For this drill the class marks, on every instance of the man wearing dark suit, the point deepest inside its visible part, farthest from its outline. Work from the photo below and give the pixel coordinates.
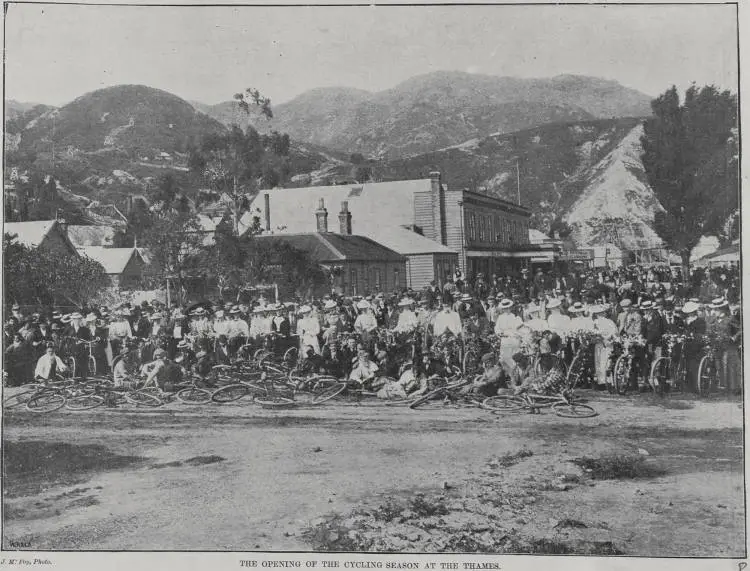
(79, 332)
(695, 329)
(652, 329)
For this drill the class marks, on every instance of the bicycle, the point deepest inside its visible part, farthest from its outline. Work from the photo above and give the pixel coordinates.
(624, 373)
(666, 375)
(564, 404)
(447, 391)
(708, 373)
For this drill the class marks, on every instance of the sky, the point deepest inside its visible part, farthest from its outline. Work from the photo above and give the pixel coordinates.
(55, 53)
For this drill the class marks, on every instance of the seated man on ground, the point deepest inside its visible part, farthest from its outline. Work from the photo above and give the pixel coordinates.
(204, 363)
(312, 363)
(489, 381)
(163, 372)
(365, 370)
(123, 370)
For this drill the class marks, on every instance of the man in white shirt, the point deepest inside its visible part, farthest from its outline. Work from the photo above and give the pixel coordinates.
(407, 319)
(447, 320)
(366, 321)
(365, 370)
(308, 328)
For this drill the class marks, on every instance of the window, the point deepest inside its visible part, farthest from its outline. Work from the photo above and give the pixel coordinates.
(481, 228)
(396, 282)
(472, 226)
(366, 280)
(353, 281)
(378, 284)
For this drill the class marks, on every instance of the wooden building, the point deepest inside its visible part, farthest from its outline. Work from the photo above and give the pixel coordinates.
(124, 266)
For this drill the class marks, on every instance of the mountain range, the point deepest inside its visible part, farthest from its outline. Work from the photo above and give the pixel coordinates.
(567, 143)
(439, 109)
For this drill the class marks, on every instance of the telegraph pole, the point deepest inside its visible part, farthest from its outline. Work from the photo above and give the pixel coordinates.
(518, 182)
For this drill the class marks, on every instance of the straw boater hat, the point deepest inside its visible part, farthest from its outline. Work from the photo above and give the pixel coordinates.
(577, 307)
(76, 315)
(719, 302)
(183, 344)
(363, 304)
(506, 304)
(90, 317)
(56, 315)
(647, 304)
(466, 297)
(329, 305)
(690, 307)
(258, 309)
(553, 303)
(305, 309)
(625, 303)
(598, 308)
(198, 311)
(234, 310)
(405, 302)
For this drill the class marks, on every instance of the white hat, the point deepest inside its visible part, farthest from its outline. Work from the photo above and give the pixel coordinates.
(406, 302)
(259, 309)
(466, 297)
(234, 311)
(363, 304)
(577, 307)
(598, 308)
(690, 307)
(719, 302)
(219, 313)
(506, 304)
(553, 303)
(330, 304)
(305, 309)
(647, 304)
(154, 317)
(198, 311)
(91, 317)
(76, 315)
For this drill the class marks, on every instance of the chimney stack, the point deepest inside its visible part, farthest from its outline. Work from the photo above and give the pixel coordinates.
(345, 219)
(321, 214)
(438, 207)
(267, 198)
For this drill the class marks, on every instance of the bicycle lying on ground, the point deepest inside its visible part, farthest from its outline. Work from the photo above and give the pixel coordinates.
(563, 404)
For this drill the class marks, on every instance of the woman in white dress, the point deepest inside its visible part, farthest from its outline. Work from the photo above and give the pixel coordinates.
(308, 328)
(507, 327)
(603, 348)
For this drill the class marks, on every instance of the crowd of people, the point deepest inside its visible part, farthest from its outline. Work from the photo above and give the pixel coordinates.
(395, 342)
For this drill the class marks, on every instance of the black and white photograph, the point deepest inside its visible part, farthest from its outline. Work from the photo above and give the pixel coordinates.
(373, 279)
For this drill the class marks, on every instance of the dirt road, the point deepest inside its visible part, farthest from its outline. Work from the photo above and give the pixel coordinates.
(237, 477)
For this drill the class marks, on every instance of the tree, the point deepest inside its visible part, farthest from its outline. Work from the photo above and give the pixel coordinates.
(691, 162)
(37, 276)
(175, 243)
(239, 162)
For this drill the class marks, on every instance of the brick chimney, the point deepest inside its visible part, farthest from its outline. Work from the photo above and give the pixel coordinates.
(268, 211)
(438, 207)
(321, 214)
(345, 219)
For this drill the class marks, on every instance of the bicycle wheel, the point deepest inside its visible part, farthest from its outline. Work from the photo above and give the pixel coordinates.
(620, 374)
(143, 398)
(327, 391)
(18, 399)
(92, 366)
(230, 393)
(45, 401)
(84, 402)
(573, 410)
(427, 397)
(290, 357)
(680, 376)
(574, 372)
(706, 376)
(70, 363)
(504, 403)
(273, 369)
(659, 376)
(193, 395)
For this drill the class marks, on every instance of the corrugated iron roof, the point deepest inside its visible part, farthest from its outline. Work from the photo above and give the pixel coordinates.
(329, 247)
(113, 260)
(379, 212)
(293, 209)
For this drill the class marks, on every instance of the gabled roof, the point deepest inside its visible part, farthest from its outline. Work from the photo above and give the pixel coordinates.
(30, 234)
(33, 233)
(329, 247)
(83, 236)
(294, 208)
(113, 260)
